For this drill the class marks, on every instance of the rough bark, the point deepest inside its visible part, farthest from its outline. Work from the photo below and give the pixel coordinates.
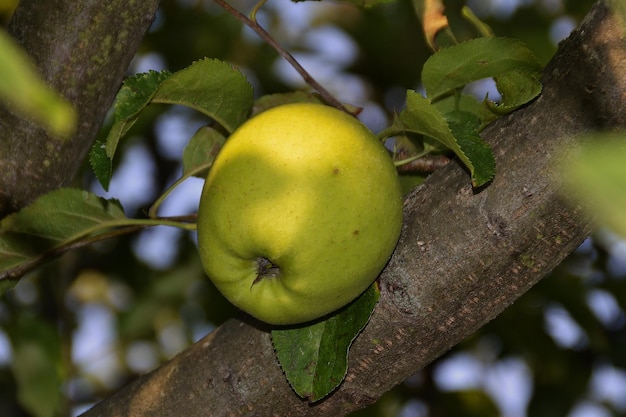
(463, 257)
(83, 49)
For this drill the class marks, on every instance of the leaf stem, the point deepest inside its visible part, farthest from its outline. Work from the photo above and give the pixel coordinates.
(255, 9)
(410, 159)
(254, 25)
(422, 163)
(480, 26)
(152, 212)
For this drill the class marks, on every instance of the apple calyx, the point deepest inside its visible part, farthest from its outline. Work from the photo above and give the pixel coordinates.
(266, 269)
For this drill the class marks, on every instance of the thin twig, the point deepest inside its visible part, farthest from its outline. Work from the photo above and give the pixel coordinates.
(18, 271)
(252, 24)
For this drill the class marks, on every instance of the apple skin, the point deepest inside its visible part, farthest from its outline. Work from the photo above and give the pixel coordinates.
(299, 213)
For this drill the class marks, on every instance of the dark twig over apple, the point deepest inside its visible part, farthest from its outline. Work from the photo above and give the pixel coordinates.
(254, 25)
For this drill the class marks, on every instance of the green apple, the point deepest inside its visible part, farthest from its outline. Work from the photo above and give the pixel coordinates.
(299, 213)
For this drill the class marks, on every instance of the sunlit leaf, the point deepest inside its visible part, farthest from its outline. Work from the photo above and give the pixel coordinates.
(454, 67)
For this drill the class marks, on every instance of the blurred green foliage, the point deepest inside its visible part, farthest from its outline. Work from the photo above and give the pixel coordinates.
(102, 315)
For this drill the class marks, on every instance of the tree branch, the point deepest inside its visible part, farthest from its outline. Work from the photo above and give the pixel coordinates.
(463, 257)
(83, 50)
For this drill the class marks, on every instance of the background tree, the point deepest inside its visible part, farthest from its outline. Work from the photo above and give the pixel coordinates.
(463, 258)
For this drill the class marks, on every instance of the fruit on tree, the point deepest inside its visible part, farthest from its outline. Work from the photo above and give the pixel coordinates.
(299, 213)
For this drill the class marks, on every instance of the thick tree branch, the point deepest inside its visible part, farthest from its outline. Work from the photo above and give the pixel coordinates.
(463, 257)
(83, 48)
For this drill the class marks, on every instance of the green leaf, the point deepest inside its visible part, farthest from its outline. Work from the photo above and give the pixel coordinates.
(136, 93)
(465, 127)
(209, 86)
(201, 150)
(460, 102)
(315, 357)
(596, 177)
(458, 132)
(22, 90)
(454, 67)
(212, 87)
(55, 219)
(101, 164)
(516, 88)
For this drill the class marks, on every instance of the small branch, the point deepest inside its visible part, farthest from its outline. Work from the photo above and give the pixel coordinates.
(15, 273)
(23, 268)
(254, 25)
